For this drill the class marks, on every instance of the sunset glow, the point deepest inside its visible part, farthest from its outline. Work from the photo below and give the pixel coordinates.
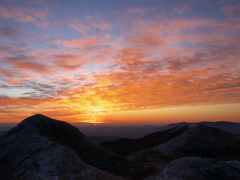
(137, 61)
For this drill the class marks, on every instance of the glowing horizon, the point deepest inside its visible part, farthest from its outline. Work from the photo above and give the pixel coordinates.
(120, 61)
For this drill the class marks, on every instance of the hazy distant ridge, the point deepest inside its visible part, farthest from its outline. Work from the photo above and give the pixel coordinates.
(43, 148)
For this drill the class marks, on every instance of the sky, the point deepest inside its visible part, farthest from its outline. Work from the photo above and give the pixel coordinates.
(120, 61)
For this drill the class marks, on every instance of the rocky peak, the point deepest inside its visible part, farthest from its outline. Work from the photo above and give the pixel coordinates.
(39, 135)
(54, 130)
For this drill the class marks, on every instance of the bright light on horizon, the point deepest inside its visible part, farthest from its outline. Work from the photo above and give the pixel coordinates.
(120, 61)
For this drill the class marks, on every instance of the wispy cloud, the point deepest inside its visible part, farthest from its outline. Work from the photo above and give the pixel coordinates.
(25, 14)
(85, 65)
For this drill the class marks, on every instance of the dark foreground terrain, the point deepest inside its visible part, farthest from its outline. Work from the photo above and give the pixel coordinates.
(43, 148)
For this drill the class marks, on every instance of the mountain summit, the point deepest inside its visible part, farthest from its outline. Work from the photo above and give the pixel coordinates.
(43, 148)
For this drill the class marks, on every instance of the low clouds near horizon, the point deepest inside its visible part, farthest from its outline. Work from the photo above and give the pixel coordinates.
(82, 60)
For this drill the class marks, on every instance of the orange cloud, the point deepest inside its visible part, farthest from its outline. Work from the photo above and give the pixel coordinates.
(145, 40)
(67, 61)
(87, 42)
(87, 24)
(24, 14)
(119, 66)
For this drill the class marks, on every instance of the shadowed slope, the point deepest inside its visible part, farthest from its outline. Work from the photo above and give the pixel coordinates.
(41, 146)
(126, 146)
(195, 140)
(198, 168)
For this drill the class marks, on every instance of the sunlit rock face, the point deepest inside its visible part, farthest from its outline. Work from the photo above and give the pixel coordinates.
(43, 148)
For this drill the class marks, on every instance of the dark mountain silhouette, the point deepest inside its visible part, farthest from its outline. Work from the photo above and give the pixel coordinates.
(100, 139)
(227, 126)
(230, 127)
(109, 133)
(102, 132)
(126, 146)
(185, 141)
(185, 152)
(43, 148)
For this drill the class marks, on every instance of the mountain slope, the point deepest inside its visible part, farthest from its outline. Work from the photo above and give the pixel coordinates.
(126, 146)
(43, 148)
(230, 127)
(227, 126)
(193, 140)
(196, 140)
(186, 152)
(197, 168)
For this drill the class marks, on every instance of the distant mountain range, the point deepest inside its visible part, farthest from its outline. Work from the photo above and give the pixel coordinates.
(139, 131)
(43, 148)
(103, 132)
(227, 126)
(185, 152)
(180, 141)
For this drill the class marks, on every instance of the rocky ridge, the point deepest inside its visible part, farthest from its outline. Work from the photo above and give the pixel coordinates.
(182, 141)
(43, 148)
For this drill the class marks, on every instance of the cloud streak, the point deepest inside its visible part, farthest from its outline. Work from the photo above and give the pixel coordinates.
(84, 68)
